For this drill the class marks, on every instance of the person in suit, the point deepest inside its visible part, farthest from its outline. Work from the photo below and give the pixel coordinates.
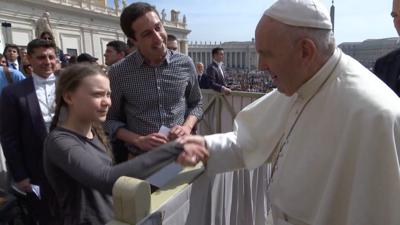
(387, 68)
(201, 76)
(11, 52)
(26, 111)
(215, 74)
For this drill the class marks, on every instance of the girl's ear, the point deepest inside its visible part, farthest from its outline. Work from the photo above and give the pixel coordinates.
(67, 98)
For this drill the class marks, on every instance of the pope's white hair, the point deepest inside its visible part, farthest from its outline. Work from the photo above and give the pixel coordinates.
(323, 39)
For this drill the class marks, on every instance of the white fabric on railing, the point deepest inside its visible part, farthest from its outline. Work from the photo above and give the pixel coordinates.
(234, 198)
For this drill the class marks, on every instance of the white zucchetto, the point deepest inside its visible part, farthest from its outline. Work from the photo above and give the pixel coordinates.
(301, 13)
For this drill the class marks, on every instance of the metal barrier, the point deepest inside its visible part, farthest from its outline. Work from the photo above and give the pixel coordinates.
(220, 110)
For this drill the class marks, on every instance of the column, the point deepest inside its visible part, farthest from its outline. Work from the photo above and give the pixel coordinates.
(209, 59)
(183, 46)
(244, 59)
(234, 59)
(198, 56)
(231, 59)
(240, 60)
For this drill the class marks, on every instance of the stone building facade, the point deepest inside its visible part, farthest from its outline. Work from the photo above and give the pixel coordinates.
(78, 25)
(238, 55)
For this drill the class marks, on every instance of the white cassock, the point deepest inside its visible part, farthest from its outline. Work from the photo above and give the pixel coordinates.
(338, 140)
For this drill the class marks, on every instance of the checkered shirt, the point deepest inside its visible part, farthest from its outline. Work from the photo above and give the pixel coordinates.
(145, 97)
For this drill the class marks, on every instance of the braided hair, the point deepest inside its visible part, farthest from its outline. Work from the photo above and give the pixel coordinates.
(69, 80)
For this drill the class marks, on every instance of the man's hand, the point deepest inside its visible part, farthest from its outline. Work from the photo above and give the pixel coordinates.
(24, 185)
(194, 150)
(226, 91)
(150, 141)
(179, 131)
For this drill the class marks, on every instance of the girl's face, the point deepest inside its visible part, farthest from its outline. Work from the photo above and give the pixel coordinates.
(91, 100)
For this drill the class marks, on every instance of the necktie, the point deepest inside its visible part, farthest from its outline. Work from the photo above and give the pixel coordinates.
(14, 66)
(222, 72)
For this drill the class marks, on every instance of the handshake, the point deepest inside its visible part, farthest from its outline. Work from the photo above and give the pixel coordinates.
(194, 150)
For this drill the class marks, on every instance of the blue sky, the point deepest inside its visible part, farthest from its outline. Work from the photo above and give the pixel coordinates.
(235, 20)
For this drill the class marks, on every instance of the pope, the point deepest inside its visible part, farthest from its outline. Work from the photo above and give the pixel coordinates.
(331, 130)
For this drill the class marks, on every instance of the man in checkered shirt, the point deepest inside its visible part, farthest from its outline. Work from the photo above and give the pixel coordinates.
(152, 87)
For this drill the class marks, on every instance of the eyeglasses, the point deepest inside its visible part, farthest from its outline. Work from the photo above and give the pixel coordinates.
(47, 38)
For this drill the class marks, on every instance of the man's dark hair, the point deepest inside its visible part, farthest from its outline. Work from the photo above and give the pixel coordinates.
(10, 46)
(171, 37)
(216, 50)
(131, 13)
(129, 42)
(40, 43)
(119, 46)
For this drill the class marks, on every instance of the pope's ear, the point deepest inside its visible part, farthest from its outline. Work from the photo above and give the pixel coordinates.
(308, 49)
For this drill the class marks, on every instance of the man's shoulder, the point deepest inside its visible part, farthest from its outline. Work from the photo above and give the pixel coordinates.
(212, 67)
(12, 71)
(124, 65)
(17, 75)
(389, 57)
(19, 88)
(177, 57)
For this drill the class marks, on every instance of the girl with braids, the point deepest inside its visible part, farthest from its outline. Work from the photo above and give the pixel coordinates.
(77, 156)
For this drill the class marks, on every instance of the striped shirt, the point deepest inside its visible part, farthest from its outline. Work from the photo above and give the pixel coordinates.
(146, 97)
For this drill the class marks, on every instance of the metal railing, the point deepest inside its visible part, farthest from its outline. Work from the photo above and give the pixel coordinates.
(220, 110)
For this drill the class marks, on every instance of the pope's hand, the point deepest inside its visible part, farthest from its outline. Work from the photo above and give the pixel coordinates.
(194, 150)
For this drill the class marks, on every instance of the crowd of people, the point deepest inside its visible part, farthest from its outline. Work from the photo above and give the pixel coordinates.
(249, 81)
(69, 127)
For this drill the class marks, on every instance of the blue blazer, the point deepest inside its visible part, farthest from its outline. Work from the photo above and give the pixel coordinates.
(22, 132)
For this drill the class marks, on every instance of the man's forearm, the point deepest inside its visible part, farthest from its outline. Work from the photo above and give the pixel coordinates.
(127, 136)
(190, 121)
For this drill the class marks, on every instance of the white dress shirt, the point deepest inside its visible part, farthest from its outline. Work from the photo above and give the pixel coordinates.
(14, 65)
(335, 143)
(220, 68)
(45, 92)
